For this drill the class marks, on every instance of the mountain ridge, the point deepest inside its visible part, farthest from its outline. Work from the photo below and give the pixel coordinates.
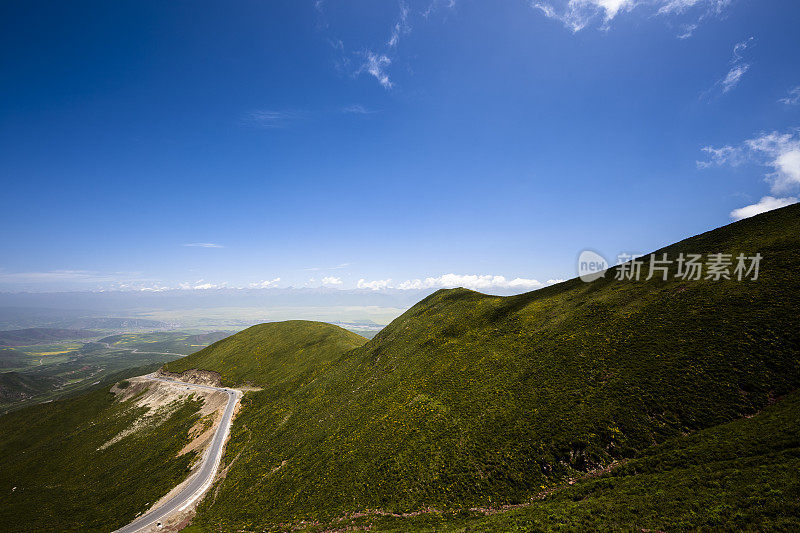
(469, 400)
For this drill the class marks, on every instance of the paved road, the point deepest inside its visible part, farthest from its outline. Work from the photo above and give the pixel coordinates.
(202, 479)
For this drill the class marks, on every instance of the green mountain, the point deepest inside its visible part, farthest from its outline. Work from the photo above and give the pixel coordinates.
(469, 400)
(611, 405)
(268, 354)
(739, 476)
(17, 386)
(60, 470)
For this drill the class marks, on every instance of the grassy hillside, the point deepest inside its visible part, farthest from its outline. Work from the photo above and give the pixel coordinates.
(17, 386)
(474, 400)
(271, 353)
(54, 475)
(736, 476)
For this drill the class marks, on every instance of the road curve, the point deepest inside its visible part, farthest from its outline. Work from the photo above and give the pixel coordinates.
(201, 480)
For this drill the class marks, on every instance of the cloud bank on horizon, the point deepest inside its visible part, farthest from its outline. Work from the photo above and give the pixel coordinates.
(60, 281)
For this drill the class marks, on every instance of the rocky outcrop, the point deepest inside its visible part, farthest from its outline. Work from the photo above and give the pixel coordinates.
(193, 375)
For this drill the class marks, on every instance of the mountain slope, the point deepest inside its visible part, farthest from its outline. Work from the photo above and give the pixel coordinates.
(732, 477)
(90, 463)
(270, 353)
(469, 399)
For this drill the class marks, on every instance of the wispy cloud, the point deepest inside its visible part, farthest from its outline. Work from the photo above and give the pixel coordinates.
(375, 65)
(793, 98)
(687, 30)
(779, 152)
(576, 15)
(203, 245)
(671, 7)
(375, 60)
(437, 4)
(356, 109)
(273, 119)
(400, 27)
(737, 69)
(733, 77)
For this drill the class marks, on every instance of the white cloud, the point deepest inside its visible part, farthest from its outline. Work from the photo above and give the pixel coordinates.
(201, 285)
(793, 98)
(739, 48)
(738, 67)
(677, 7)
(449, 281)
(151, 288)
(264, 283)
(331, 280)
(578, 14)
(400, 27)
(733, 77)
(688, 31)
(725, 155)
(767, 203)
(206, 286)
(375, 65)
(376, 285)
(781, 152)
(470, 281)
(435, 4)
(203, 245)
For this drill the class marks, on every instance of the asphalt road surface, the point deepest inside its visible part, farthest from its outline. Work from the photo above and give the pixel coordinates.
(202, 479)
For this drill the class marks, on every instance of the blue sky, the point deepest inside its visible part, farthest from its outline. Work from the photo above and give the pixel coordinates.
(151, 145)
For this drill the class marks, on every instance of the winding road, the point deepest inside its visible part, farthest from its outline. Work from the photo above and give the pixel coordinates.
(201, 480)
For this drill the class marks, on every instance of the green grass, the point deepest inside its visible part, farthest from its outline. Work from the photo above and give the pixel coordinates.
(474, 400)
(736, 476)
(53, 477)
(268, 354)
